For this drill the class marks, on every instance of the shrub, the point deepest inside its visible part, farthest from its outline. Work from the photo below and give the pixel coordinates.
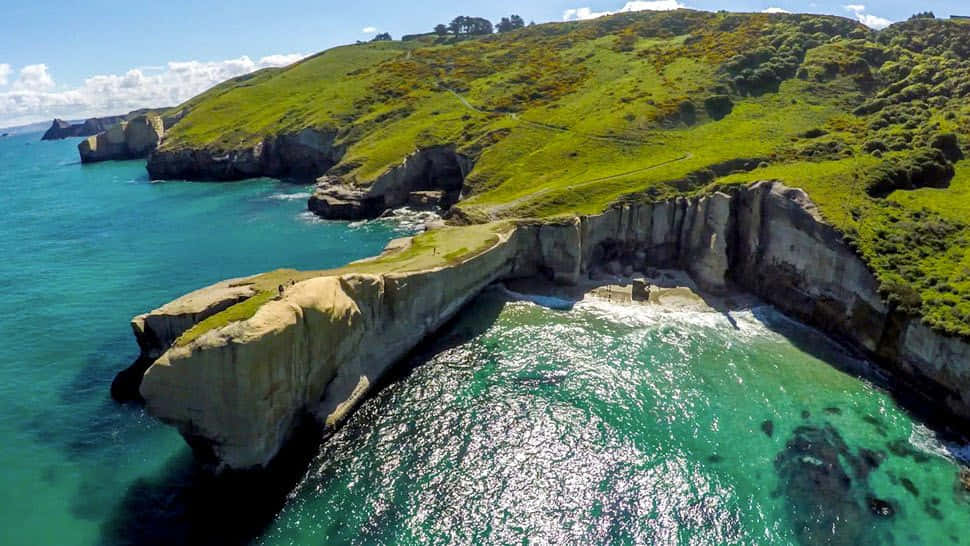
(688, 112)
(718, 106)
(900, 293)
(925, 168)
(949, 145)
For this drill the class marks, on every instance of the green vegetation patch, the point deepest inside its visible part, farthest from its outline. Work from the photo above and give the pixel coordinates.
(430, 250)
(569, 118)
(241, 311)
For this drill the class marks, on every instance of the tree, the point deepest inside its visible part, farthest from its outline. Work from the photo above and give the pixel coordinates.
(441, 30)
(510, 23)
(383, 37)
(463, 25)
(923, 15)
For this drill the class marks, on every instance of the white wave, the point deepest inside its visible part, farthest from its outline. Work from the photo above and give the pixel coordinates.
(289, 196)
(404, 220)
(311, 218)
(924, 439)
(741, 321)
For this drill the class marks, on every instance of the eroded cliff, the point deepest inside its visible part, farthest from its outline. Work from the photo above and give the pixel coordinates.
(236, 391)
(428, 178)
(307, 154)
(132, 139)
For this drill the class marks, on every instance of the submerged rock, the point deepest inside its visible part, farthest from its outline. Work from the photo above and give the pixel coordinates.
(909, 486)
(768, 427)
(881, 508)
(829, 505)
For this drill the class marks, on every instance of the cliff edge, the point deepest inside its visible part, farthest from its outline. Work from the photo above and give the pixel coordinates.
(132, 139)
(235, 390)
(61, 129)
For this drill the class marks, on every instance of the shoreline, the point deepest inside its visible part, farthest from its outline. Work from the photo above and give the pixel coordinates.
(234, 390)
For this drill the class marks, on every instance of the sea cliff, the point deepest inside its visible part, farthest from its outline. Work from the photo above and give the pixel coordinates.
(236, 391)
(305, 154)
(131, 139)
(61, 129)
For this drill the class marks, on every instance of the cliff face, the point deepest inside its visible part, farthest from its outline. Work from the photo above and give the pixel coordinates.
(770, 240)
(306, 154)
(63, 129)
(431, 177)
(156, 331)
(235, 392)
(131, 139)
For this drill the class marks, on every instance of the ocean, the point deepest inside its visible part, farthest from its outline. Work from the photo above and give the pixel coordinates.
(601, 423)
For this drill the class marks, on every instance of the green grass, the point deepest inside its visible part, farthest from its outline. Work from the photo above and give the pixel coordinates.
(430, 250)
(239, 312)
(566, 119)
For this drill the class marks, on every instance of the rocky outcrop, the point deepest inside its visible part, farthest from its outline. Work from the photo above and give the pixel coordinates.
(131, 139)
(306, 154)
(156, 331)
(430, 177)
(236, 392)
(61, 129)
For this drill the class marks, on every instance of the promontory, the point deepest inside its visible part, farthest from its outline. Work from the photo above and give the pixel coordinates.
(808, 160)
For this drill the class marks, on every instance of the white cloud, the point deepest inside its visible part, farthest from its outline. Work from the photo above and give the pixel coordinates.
(4, 73)
(774, 10)
(34, 78)
(33, 97)
(871, 21)
(369, 30)
(576, 14)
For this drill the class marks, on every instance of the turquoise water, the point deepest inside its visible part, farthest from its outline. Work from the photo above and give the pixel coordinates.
(85, 248)
(519, 424)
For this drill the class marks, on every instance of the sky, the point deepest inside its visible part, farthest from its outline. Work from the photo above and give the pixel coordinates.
(70, 59)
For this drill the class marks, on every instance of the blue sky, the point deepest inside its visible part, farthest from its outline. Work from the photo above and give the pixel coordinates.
(75, 59)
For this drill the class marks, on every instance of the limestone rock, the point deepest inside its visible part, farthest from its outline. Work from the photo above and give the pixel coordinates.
(235, 392)
(127, 140)
(156, 331)
(429, 177)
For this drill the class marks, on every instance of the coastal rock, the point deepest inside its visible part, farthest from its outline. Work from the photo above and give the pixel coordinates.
(156, 331)
(306, 154)
(436, 172)
(235, 392)
(126, 140)
(61, 129)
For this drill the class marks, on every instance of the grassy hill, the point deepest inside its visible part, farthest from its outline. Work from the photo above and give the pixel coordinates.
(569, 118)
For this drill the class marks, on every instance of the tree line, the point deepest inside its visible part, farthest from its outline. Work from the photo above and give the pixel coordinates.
(469, 26)
(472, 26)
